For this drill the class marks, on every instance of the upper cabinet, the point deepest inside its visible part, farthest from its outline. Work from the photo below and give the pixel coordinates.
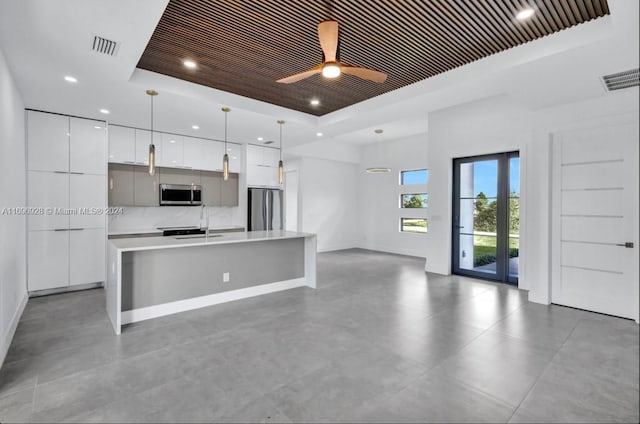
(262, 166)
(48, 136)
(87, 148)
(131, 146)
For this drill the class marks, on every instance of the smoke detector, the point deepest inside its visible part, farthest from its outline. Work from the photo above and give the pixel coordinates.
(621, 80)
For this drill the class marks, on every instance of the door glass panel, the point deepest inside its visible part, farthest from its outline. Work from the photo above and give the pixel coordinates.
(478, 214)
(514, 217)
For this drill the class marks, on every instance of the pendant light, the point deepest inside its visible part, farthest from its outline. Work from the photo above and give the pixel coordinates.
(225, 158)
(152, 147)
(280, 164)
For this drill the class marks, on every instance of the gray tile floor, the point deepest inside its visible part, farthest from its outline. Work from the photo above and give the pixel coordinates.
(378, 341)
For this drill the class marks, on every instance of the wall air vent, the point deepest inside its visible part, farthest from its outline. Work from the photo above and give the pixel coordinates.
(622, 80)
(104, 46)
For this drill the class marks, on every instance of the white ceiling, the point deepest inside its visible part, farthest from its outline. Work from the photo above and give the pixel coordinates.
(45, 40)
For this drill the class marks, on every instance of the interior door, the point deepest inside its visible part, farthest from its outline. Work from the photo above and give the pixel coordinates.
(595, 219)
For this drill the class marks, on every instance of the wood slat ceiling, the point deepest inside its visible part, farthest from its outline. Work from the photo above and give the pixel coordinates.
(244, 46)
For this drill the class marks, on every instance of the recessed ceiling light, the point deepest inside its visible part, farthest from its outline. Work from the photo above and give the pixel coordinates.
(69, 78)
(172, 142)
(314, 102)
(319, 134)
(189, 64)
(105, 111)
(97, 127)
(525, 14)
(260, 138)
(195, 127)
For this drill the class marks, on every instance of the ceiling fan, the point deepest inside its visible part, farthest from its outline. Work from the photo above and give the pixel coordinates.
(331, 67)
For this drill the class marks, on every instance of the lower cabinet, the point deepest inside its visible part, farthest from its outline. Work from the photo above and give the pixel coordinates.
(87, 260)
(62, 258)
(48, 259)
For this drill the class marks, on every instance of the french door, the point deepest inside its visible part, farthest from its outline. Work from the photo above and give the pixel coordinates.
(486, 219)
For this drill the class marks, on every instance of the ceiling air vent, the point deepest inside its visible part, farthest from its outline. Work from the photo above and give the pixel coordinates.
(622, 80)
(104, 46)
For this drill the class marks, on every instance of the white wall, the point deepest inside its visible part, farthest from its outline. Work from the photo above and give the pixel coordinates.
(13, 283)
(497, 125)
(328, 201)
(379, 196)
(487, 126)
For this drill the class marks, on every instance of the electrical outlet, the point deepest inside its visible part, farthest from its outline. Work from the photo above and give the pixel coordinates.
(225, 277)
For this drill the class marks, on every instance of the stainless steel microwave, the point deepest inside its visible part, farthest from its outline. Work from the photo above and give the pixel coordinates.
(180, 195)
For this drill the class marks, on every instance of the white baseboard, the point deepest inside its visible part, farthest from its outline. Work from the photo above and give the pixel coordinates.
(170, 308)
(11, 331)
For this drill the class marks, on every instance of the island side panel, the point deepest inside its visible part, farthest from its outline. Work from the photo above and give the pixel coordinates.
(155, 277)
(310, 259)
(113, 288)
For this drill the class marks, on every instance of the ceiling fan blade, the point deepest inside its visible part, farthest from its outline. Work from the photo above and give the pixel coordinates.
(328, 36)
(364, 73)
(301, 75)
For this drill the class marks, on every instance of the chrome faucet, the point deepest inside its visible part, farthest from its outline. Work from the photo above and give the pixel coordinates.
(204, 212)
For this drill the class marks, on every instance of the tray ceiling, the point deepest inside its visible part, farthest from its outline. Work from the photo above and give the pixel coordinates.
(244, 46)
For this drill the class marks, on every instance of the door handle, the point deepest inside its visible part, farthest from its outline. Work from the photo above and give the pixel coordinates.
(628, 245)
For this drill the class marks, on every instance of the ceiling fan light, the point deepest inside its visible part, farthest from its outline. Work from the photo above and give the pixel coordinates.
(331, 70)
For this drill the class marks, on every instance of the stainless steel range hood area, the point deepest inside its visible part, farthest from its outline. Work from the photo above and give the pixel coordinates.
(131, 185)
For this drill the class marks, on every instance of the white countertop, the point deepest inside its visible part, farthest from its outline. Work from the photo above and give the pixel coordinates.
(151, 243)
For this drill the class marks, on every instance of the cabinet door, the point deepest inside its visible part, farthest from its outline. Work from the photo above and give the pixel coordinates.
(172, 151)
(143, 139)
(87, 263)
(122, 144)
(87, 146)
(211, 186)
(87, 201)
(120, 186)
(49, 191)
(270, 157)
(235, 157)
(48, 259)
(254, 154)
(48, 142)
(213, 153)
(145, 187)
(193, 153)
(229, 191)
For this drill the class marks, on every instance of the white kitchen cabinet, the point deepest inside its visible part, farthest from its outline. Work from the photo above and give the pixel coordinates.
(66, 186)
(213, 151)
(87, 146)
(172, 151)
(48, 264)
(48, 136)
(48, 195)
(235, 157)
(262, 166)
(143, 139)
(122, 144)
(193, 153)
(87, 198)
(87, 261)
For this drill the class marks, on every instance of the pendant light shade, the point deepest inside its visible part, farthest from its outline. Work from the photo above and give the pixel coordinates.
(280, 163)
(225, 158)
(152, 147)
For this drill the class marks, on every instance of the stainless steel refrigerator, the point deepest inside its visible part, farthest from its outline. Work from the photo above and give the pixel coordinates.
(265, 209)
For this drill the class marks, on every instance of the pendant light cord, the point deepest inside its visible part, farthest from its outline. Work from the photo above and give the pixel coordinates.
(151, 119)
(225, 131)
(280, 141)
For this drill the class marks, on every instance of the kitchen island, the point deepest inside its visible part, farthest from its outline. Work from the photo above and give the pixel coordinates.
(149, 277)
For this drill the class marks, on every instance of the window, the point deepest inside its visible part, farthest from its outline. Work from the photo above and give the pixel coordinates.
(413, 225)
(416, 176)
(418, 200)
